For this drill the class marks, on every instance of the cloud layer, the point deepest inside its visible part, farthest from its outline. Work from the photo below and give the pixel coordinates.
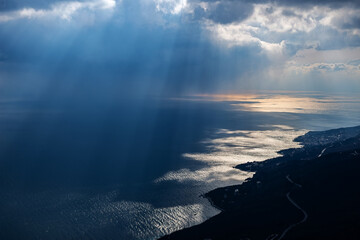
(177, 46)
(62, 9)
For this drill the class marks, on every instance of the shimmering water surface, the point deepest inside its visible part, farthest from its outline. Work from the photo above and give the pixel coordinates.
(137, 171)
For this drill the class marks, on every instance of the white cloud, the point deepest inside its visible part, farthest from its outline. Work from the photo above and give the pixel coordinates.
(170, 6)
(325, 68)
(234, 34)
(64, 10)
(283, 19)
(326, 61)
(295, 40)
(271, 26)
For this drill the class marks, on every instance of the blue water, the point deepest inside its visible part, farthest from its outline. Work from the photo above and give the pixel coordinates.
(135, 169)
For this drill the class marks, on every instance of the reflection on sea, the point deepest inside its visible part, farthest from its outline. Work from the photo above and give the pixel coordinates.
(147, 211)
(285, 102)
(230, 148)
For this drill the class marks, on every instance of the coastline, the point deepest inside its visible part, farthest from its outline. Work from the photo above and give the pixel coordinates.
(211, 202)
(269, 186)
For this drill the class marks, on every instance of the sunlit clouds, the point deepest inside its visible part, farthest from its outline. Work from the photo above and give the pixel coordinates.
(170, 6)
(191, 46)
(282, 31)
(269, 23)
(61, 10)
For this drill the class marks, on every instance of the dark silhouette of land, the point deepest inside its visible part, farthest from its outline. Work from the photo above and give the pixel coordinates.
(309, 193)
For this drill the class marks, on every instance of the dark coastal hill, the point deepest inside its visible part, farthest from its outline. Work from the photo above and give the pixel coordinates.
(308, 193)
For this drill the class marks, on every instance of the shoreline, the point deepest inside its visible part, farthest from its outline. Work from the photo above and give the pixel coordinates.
(211, 202)
(248, 210)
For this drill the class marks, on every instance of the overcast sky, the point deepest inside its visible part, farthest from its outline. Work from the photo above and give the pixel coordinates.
(172, 47)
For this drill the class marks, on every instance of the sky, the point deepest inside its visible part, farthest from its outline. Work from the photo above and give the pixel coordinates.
(112, 48)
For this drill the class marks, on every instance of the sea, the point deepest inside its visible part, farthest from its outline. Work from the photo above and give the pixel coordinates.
(137, 169)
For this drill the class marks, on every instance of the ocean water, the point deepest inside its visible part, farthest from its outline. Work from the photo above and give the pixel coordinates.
(137, 170)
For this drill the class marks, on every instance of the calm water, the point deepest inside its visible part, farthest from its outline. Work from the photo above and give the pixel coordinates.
(136, 169)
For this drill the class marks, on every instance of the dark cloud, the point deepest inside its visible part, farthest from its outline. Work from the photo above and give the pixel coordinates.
(289, 13)
(230, 6)
(226, 12)
(306, 3)
(229, 11)
(303, 3)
